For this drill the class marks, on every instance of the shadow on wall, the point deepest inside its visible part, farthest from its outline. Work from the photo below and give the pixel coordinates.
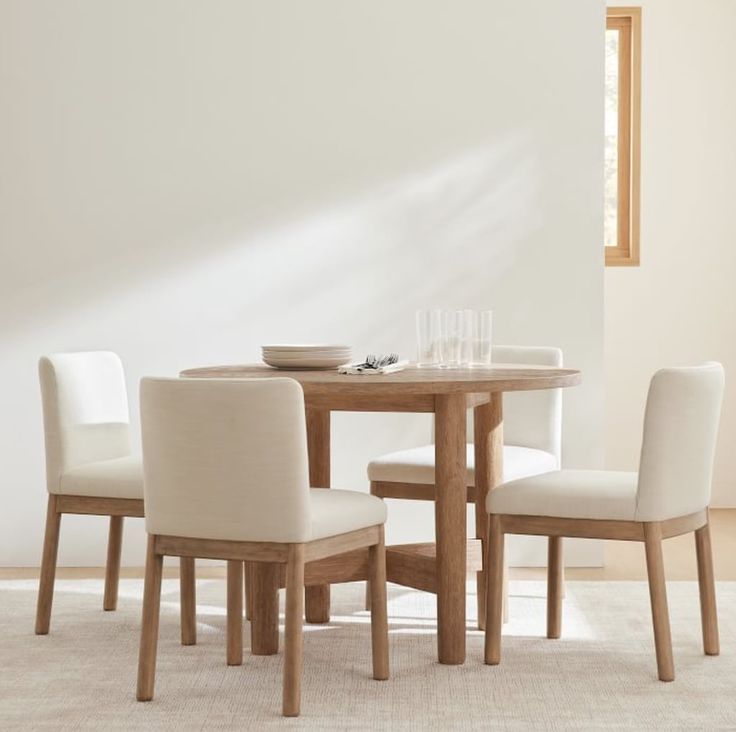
(432, 238)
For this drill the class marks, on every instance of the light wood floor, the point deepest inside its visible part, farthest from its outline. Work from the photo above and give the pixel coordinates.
(623, 560)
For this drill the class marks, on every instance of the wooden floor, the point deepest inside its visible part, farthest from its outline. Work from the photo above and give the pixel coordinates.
(623, 560)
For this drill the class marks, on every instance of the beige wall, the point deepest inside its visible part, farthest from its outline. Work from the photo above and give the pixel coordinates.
(679, 306)
(183, 181)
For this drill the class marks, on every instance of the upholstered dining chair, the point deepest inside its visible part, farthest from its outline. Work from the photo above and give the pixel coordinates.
(532, 429)
(668, 496)
(90, 468)
(227, 477)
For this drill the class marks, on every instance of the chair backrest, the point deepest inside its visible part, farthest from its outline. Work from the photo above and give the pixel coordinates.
(226, 459)
(532, 418)
(85, 410)
(680, 431)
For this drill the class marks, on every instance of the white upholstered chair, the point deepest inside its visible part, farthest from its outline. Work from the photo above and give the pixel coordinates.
(668, 496)
(532, 429)
(90, 468)
(227, 477)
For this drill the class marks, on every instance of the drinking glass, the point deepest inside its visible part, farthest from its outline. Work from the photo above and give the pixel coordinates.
(452, 340)
(468, 337)
(482, 339)
(429, 338)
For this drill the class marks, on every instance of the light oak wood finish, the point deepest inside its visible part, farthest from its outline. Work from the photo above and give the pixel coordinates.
(450, 525)
(293, 640)
(149, 622)
(707, 587)
(288, 564)
(264, 624)
(48, 567)
(494, 591)
(658, 599)
(317, 602)
(116, 509)
(188, 594)
(626, 21)
(651, 534)
(347, 390)
(554, 586)
(379, 616)
(446, 392)
(234, 613)
(112, 572)
(488, 448)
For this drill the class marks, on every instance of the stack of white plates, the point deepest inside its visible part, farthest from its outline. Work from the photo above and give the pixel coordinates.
(289, 356)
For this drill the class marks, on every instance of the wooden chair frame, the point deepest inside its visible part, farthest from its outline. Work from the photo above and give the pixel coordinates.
(303, 567)
(650, 533)
(117, 509)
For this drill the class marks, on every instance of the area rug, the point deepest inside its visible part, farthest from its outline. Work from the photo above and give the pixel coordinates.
(600, 675)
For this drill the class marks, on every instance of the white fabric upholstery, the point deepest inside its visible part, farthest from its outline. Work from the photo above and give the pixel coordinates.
(674, 479)
(680, 432)
(117, 478)
(532, 425)
(585, 494)
(337, 512)
(85, 413)
(227, 459)
(417, 465)
(532, 418)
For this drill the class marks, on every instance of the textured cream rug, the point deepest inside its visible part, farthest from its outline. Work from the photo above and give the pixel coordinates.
(600, 675)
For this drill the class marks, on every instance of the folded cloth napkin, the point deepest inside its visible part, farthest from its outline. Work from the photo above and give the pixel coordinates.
(360, 368)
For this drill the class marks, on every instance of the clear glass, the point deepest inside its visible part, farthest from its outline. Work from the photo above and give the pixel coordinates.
(429, 338)
(482, 339)
(452, 340)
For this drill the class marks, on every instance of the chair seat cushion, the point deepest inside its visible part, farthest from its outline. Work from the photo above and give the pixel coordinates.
(583, 494)
(117, 478)
(337, 512)
(417, 465)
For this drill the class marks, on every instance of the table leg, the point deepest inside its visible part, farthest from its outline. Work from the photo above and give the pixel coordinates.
(450, 525)
(317, 606)
(488, 422)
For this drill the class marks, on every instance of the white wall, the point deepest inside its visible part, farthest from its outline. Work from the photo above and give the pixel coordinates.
(183, 181)
(679, 306)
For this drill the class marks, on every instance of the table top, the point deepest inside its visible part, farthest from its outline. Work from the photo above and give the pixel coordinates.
(410, 381)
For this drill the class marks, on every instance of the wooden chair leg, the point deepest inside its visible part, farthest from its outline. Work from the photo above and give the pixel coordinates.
(188, 598)
(554, 586)
(707, 585)
(112, 567)
(234, 613)
(379, 611)
(293, 640)
(48, 567)
(248, 588)
(494, 591)
(149, 622)
(264, 626)
(368, 595)
(658, 598)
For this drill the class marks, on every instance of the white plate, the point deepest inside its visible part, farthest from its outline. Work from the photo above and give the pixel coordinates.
(313, 354)
(305, 347)
(304, 363)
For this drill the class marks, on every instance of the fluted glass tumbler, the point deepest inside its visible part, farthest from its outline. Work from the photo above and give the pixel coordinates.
(429, 338)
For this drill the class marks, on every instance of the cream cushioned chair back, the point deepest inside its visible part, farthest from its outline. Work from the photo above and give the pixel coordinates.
(680, 431)
(533, 418)
(85, 410)
(225, 459)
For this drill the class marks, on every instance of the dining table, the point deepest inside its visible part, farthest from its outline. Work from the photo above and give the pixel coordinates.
(442, 566)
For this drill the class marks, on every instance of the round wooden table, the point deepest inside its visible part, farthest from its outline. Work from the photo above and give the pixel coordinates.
(448, 393)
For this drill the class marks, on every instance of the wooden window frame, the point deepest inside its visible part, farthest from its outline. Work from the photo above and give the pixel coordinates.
(627, 20)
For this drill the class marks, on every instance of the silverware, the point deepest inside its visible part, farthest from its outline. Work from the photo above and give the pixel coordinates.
(373, 362)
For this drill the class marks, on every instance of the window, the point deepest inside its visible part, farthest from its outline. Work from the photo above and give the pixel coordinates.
(622, 102)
